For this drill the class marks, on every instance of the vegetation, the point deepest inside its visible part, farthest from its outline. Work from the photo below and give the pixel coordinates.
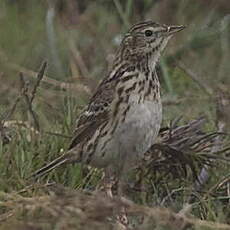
(52, 54)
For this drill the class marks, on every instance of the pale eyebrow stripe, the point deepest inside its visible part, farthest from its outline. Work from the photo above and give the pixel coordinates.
(142, 24)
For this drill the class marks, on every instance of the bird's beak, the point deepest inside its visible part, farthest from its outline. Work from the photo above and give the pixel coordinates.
(174, 29)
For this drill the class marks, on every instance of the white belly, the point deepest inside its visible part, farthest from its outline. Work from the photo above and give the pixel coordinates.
(141, 127)
(136, 135)
(133, 137)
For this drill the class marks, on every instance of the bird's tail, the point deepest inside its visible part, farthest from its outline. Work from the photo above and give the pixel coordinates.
(64, 159)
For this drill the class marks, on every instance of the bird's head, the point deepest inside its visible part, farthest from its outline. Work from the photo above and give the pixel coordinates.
(147, 38)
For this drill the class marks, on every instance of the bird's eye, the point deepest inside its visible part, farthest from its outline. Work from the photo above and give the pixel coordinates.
(148, 33)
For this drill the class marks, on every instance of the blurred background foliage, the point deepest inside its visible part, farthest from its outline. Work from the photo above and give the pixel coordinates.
(79, 39)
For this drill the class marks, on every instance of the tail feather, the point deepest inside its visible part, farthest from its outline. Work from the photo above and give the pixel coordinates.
(66, 158)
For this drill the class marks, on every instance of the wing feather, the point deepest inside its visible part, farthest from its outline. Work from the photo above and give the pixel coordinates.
(95, 114)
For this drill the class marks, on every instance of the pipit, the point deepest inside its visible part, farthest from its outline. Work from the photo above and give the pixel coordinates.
(123, 117)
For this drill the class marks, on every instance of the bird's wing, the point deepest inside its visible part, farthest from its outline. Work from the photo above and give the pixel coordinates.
(95, 114)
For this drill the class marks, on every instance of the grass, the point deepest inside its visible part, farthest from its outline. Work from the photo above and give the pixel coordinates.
(65, 199)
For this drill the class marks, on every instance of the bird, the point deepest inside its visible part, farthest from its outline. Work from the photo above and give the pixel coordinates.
(123, 117)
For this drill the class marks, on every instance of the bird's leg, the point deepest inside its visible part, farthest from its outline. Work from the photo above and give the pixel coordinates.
(109, 181)
(122, 180)
(113, 176)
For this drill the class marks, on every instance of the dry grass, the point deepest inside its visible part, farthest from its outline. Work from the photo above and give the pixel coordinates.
(63, 208)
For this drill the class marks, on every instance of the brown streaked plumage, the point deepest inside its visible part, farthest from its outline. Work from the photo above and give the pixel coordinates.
(122, 119)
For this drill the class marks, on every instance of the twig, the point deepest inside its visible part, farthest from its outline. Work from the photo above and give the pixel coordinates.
(6, 215)
(29, 99)
(46, 79)
(4, 118)
(8, 114)
(58, 134)
(11, 111)
(25, 88)
(78, 58)
(40, 75)
(121, 13)
(195, 78)
(59, 84)
(172, 101)
(225, 180)
(26, 125)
